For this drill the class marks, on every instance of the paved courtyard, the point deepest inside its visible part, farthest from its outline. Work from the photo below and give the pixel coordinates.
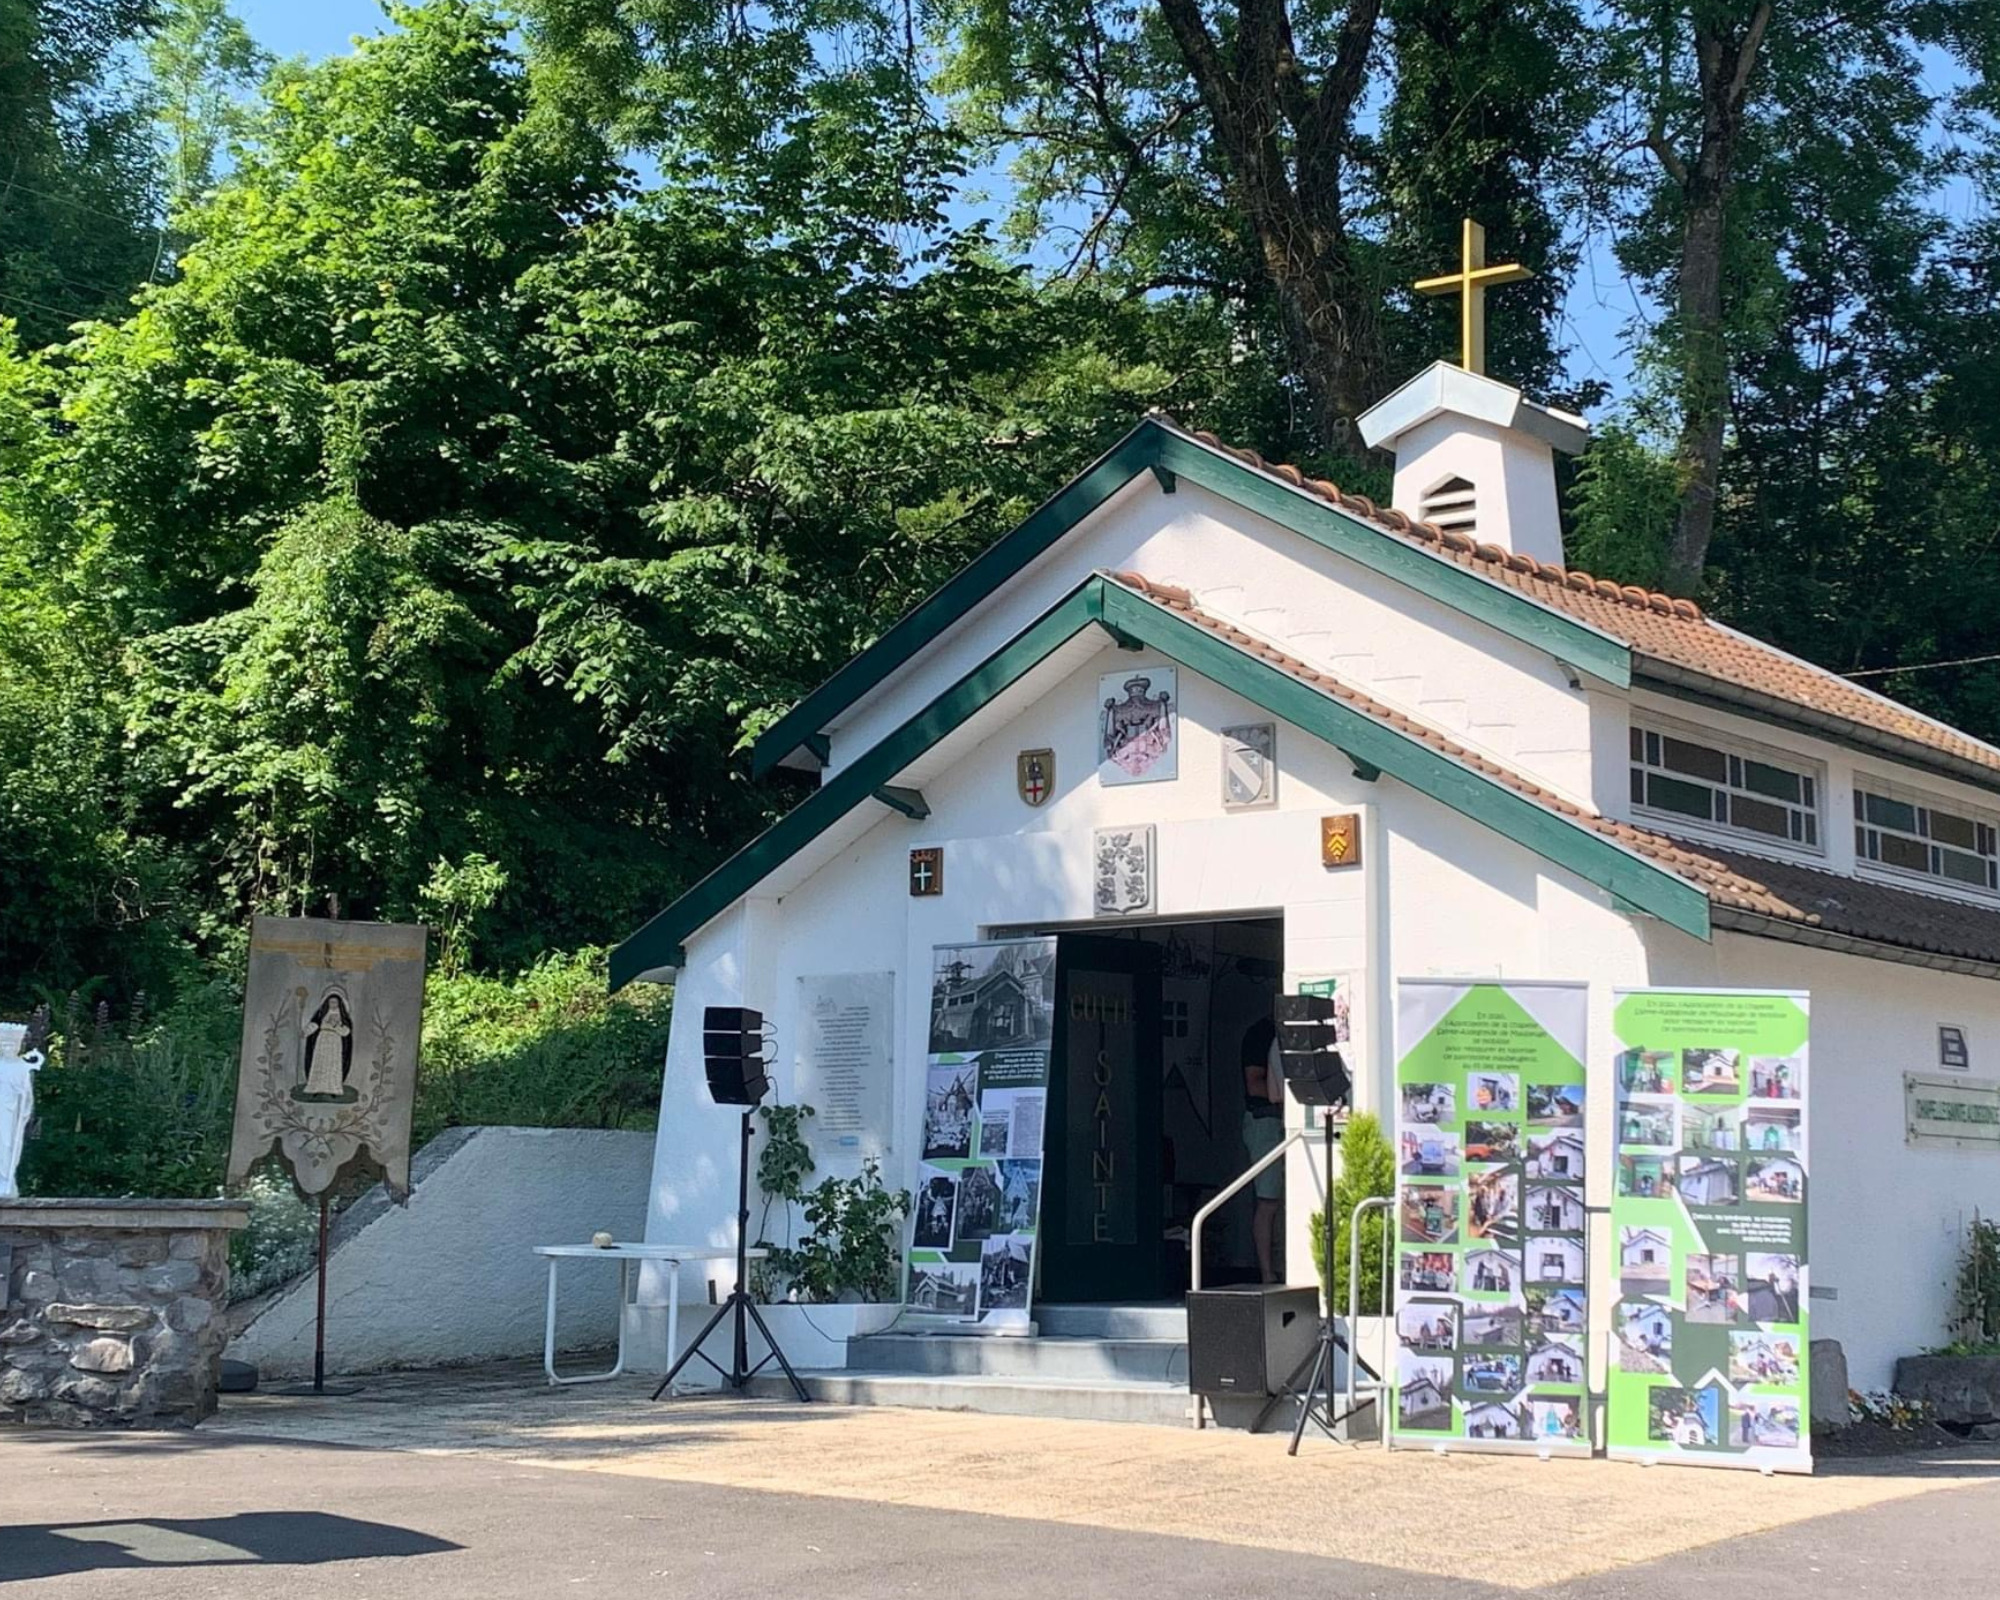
(461, 1486)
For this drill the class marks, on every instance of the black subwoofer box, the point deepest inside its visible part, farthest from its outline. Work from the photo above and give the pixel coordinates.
(1249, 1338)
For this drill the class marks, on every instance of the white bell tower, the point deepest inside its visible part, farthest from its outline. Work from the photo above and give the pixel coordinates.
(1472, 455)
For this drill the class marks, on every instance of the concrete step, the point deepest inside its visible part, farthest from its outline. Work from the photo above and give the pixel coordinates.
(1163, 1404)
(1113, 1322)
(1100, 1360)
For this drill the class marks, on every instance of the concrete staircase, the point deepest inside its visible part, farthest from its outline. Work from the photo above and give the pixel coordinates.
(1098, 1363)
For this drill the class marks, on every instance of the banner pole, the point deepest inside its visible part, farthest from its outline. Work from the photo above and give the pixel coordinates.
(319, 1330)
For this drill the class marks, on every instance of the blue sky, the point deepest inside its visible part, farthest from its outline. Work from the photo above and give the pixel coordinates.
(1596, 310)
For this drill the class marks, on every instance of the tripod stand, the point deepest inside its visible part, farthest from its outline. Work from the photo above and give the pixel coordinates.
(740, 1372)
(1320, 1379)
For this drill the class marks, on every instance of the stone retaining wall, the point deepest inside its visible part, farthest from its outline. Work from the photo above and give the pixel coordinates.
(111, 1311)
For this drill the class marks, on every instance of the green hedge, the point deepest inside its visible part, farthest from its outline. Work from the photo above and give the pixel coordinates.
(131, 1104)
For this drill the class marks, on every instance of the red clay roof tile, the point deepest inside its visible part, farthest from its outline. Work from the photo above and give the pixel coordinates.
(1782, 891)
(1659, 627)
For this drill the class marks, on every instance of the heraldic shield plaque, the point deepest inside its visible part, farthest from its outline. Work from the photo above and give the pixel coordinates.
(332, 1018)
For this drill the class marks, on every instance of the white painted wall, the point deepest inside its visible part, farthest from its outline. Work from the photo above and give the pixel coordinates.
(1405, 648)
(1887, 1219)
(1440, 893)
(450, 1277)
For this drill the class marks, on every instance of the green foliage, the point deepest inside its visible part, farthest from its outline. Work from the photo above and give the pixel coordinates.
(1975, 1324)
(853, 1225)
(130, 1103)
(281, 1241)
(78, 207)
(1367, 1171)
(545, 1049)
(850, 1246)
(1622, 509)
(786, 1158)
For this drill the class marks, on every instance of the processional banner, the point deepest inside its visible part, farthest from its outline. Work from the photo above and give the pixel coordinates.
(332, 1019)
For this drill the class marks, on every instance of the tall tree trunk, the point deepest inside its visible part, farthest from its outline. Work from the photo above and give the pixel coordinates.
(1255, 91)
(1725, 57)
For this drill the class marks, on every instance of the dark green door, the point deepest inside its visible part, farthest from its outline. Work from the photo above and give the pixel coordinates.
(1103, 1212)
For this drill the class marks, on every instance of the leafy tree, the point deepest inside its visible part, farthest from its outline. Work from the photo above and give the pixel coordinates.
(78, 212)
(1769, 149)
(460, 503)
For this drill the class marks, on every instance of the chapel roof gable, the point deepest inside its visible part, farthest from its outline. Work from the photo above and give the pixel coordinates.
(1620, 633)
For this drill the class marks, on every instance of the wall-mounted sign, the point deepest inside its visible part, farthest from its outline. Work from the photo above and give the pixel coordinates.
(1138, 729)
(1340, 840)
(1122, 871)
(1957, 1113)
(927, 871)
(1953, 1051)
(1250, 766)
(1035, 775)
(844, 1065)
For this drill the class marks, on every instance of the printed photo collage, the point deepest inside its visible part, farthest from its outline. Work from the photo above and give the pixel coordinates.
(978, 1195)
(1719, 1135)
(1490, 1258)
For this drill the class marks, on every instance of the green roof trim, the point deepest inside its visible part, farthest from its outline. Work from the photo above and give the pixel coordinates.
(1171, 455)
(1370, 743)
(658, 943)
(958, 597)
(1099, 602)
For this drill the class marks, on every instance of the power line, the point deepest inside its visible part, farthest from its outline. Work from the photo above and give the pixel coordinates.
(1922, 666)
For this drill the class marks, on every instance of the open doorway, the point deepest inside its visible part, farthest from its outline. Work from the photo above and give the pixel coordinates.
(1147, 1103)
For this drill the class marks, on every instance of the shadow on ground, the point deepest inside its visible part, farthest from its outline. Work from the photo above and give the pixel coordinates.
(247, 1539)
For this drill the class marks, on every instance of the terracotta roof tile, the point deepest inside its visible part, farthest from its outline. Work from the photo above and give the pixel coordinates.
(1782, 891)
(1657, 627)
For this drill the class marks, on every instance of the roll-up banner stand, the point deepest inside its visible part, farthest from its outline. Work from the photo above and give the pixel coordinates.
(978, 1197)
(1709, 1336)
(1491, 1308)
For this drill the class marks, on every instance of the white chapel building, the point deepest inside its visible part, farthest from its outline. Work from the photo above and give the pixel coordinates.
(1555, 777)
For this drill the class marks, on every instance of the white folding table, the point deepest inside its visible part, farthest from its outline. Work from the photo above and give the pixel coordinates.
(670, 1255)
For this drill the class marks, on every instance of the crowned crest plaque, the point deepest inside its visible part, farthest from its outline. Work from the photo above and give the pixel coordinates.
(1138, 736)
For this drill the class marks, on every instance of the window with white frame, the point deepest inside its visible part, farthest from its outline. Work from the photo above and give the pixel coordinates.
(1720, 785)
(1894, 829)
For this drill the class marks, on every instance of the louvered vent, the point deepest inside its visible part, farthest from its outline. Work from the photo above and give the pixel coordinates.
(1453, 506)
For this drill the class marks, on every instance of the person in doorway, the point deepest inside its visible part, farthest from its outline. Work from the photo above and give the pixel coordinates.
(1263, 1131)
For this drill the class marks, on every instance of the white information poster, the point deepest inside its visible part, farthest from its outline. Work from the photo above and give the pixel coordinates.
(844, 1066)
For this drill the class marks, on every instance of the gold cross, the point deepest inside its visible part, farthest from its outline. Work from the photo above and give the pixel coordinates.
(1470, 284)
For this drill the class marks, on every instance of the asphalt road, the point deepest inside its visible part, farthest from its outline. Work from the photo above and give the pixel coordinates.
(165, 1517)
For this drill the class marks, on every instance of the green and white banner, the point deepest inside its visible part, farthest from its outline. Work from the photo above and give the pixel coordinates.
(979, 1186)
(1709, 1339)
(1491, 1311)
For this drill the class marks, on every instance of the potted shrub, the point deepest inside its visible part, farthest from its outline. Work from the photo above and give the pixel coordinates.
(838, 1271)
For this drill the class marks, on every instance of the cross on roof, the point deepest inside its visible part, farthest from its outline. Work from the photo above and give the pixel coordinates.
(1470, 283)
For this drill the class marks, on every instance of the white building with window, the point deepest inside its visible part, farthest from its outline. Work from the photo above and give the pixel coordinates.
(1549, 775)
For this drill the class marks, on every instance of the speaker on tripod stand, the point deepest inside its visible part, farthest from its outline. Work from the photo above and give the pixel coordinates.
(732, 1049)
(1309, 1050)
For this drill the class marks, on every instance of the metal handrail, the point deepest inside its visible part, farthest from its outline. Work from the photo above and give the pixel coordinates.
(1199, 1411)
(1235, 1188)
(1378, 1387)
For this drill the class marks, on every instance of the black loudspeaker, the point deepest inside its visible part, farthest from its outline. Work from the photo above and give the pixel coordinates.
(1314, 1070)
(1250, 1338)
(732, 1052)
